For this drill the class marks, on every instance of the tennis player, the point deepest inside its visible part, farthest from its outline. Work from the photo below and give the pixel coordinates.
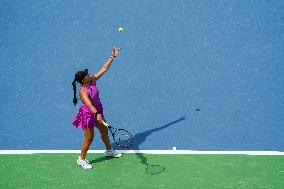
(91, 113)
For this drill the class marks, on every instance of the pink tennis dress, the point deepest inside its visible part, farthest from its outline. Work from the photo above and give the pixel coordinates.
(85, 118)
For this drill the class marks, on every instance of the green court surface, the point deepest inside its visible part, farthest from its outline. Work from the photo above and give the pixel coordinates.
(136, 171)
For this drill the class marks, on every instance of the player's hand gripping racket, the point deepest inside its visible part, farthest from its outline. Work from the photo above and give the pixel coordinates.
(121, 137)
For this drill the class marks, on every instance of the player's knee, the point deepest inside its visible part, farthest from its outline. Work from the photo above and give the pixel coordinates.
(88, 140)
(105, 129)
(105, 132)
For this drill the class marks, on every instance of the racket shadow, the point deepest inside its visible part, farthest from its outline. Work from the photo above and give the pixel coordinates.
(140, 138)
(150, 168)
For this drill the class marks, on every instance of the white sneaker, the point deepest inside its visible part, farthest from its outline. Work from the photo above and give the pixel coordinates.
(84, 163)
(113, 153)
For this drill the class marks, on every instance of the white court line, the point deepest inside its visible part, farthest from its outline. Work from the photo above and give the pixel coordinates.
(145, 152)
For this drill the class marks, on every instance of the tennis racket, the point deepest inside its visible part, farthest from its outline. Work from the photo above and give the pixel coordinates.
(121, 137)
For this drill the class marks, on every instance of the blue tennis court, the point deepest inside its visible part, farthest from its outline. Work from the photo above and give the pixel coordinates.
(195, 75)
(224, 58)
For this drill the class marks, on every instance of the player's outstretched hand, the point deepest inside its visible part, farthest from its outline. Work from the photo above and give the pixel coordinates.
(115, 51)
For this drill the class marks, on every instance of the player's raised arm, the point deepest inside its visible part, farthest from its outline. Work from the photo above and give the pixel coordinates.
(106, 66)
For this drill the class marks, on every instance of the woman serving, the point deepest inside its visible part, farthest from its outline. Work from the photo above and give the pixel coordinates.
(90, 114)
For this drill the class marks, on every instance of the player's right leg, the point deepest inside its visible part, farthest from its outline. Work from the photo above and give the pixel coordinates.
(88, 139)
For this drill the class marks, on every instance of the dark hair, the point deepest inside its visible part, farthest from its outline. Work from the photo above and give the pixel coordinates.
(79, 76)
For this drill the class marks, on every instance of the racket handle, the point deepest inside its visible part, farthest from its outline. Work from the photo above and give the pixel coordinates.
(107, 125)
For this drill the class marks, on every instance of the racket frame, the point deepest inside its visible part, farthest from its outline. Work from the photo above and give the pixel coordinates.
(113, 130)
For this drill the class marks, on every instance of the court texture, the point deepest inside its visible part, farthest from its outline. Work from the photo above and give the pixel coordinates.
(199, 84)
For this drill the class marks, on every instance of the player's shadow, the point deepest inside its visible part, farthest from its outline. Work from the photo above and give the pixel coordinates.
(138, 139)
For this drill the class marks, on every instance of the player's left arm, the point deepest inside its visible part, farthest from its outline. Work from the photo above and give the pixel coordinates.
(106, 66)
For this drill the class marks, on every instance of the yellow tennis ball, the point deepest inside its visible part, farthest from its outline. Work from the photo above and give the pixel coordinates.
(120, 29)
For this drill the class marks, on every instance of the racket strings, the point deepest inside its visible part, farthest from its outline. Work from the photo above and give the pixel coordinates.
(123, 138)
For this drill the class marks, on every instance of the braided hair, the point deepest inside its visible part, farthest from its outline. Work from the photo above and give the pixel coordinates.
(79, 76)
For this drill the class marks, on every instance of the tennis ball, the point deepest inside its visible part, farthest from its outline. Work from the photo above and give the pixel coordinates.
(120, 29)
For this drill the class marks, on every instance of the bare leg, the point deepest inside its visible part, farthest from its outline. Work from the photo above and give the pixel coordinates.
(89, 136)
(104, 135)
